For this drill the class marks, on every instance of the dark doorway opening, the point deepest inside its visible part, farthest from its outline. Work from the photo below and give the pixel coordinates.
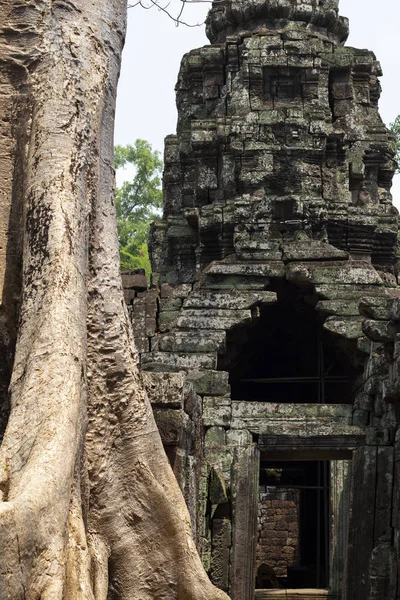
(289, 358)
(293, 525)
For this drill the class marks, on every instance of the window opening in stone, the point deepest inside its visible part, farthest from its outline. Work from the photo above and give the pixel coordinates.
(283, 216)
(216, 242)
(283, 84)
(293, 523)
(288, 358)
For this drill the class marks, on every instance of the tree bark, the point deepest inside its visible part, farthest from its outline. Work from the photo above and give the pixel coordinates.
(90, 508)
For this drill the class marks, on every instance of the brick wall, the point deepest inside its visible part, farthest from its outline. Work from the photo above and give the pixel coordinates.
(278, 529)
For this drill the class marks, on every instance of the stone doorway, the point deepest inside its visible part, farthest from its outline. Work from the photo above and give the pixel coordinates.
(293, 524)
(329, 468)
(292, 390)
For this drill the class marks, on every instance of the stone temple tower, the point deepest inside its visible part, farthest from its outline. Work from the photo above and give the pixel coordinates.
(269, 339)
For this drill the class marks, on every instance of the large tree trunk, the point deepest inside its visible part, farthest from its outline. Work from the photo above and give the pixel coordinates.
(90, 508)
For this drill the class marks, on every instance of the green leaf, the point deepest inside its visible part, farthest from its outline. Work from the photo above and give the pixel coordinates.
(138, 202)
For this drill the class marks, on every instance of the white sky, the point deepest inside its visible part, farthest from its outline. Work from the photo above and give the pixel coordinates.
(154, 48)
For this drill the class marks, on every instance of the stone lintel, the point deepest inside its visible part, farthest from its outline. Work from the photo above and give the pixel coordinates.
(342, 439)
(335, 413)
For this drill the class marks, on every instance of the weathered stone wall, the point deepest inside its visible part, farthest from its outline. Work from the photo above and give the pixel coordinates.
(205, 443)
(373, 553)
(278, 543)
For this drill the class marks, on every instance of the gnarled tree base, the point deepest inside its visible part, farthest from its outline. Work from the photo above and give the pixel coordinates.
(90, 508)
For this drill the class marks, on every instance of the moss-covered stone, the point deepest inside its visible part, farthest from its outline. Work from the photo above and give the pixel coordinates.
(217, 488)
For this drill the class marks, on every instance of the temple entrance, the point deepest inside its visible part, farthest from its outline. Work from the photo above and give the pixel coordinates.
(293, 524)
(293, 515)
(291, 518)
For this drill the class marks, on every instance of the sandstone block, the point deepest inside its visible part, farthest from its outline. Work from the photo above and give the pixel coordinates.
(228, 300)
(167, 319)
(350, 328)
(165, 389)
(220, 555)
(212, 318)
(341, 273)
(380, 331)
(133, 280)
(129, 296)
(172, 425)
(338, 307)
(216, 414)
(380, 308)
(215, 437)
(311, 250)
(168, 304)
(210, 383)
(181, 361)
(232, 282)
(191, 341)
(217, 488)
(262, 269)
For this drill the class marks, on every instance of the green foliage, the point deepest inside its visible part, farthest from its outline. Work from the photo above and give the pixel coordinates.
(395, 128)
(138, 202)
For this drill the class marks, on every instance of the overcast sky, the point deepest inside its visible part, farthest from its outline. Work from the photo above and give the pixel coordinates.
(155, 46)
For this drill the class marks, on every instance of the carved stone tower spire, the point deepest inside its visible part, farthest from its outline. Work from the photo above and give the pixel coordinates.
(278, 138)
(240, 17)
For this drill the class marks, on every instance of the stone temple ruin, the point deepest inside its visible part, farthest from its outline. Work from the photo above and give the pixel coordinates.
(269, 339)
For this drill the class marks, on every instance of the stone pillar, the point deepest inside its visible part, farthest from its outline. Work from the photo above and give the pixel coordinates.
(245, 499)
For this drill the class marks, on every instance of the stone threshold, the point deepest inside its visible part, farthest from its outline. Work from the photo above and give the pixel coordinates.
(304, 594)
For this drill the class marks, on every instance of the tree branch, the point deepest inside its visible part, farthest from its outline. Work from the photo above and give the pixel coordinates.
(177, 20)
